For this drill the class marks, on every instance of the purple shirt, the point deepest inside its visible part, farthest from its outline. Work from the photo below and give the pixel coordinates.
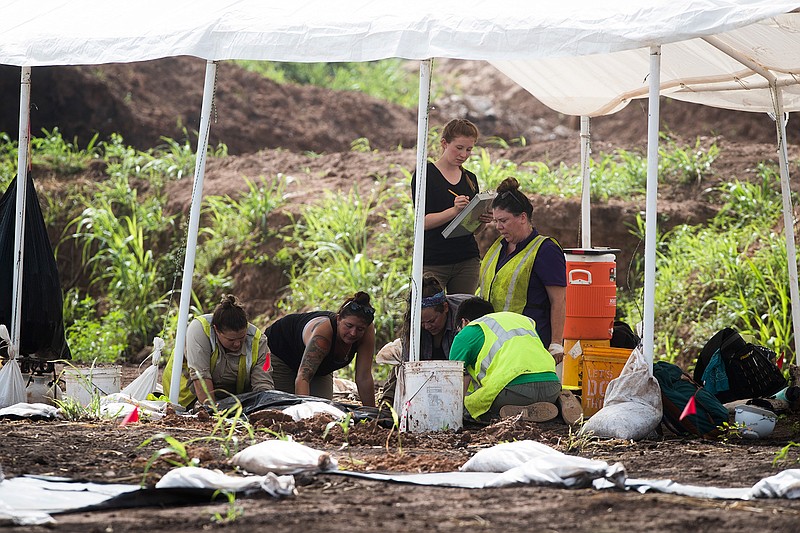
(549, 270)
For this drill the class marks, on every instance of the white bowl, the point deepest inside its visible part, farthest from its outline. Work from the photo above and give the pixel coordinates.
(759, 422)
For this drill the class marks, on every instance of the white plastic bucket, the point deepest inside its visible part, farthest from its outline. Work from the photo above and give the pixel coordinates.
(431, 396)
(83, 383)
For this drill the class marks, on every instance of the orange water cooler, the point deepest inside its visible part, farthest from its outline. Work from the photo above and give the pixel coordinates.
(591, 307)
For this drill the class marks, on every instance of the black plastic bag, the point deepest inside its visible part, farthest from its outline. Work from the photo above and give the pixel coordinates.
(42, 321)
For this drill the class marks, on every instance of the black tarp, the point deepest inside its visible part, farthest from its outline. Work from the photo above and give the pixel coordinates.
(42, 321)
(253, 402)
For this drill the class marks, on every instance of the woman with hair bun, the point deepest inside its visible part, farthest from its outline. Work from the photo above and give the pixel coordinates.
(523, 271)
(449, 188)
(225, 354)
(308, 347)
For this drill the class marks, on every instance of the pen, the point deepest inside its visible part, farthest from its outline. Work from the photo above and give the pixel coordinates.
(451, 191)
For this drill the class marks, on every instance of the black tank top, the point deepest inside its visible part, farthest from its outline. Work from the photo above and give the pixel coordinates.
(285, 341)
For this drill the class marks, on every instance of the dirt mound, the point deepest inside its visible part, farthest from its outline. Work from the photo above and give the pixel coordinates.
(145, 101)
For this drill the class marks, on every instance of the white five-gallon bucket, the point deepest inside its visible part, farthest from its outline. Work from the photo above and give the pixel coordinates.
(83, 383)
(431, 396)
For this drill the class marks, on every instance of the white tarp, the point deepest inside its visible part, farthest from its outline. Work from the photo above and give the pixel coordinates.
(73, 32)
(693, 70)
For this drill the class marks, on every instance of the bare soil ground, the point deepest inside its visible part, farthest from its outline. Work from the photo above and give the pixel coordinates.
(306, 131)
(104, 451)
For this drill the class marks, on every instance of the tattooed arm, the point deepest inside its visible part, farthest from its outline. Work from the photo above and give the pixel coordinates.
(318, 342)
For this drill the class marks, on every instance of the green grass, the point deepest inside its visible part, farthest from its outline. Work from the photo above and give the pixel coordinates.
(351, 242)
(731, 272)
(386, 79)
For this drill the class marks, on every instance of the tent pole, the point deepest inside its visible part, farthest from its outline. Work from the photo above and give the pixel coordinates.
(194, 225)
(19, 225)
(425, 69)
(586, 181)
(788, 213)
(651, 204)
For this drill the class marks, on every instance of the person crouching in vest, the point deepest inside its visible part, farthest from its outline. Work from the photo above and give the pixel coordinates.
(225, 355)
(508, 370)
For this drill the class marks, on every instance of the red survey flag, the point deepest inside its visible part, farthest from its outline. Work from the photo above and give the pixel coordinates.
(133, 416)
(267, 363)
(690, 409)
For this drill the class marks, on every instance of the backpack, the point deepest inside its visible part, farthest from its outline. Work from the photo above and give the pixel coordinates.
(750, 370)
(675, 394)
(623, 336)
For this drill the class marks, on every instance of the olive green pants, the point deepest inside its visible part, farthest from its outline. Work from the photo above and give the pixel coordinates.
(284, 376)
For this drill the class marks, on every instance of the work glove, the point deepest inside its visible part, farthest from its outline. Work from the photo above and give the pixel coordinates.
(557, 351)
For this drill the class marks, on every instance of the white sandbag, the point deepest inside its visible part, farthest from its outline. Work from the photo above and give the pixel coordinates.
(283, 457)
(12, 385)
(310, 409)
(192, 477)
(506, 456)
(560, 470)
(146, 383)
(632, 407)
(120, 405)
(30, 410)
(785, 484)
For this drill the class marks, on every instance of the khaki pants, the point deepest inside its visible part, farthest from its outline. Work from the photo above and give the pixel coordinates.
(458, 278)
(284, 376)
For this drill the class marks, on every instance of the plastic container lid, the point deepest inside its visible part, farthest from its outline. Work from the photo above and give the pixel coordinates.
(591, 251)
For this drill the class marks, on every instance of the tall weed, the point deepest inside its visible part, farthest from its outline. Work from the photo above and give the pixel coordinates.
(729, 273)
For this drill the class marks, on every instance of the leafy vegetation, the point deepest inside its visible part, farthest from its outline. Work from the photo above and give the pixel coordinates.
(730, 272)
(386, 79)
(621, 174)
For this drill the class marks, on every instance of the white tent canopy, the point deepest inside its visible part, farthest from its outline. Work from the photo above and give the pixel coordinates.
(583, 57)
(700, 70)
(75, 32)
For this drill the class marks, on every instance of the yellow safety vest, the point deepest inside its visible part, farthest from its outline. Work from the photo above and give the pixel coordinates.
(187, 395)
(510, 348)
(507, 289)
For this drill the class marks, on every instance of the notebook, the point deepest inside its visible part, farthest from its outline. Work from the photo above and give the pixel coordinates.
(468, 220)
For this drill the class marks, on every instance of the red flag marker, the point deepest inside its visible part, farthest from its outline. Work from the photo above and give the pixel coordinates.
(133, 416)
(690, 409)
(267, 363)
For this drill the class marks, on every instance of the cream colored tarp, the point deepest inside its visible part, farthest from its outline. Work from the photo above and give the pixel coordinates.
(695, 70)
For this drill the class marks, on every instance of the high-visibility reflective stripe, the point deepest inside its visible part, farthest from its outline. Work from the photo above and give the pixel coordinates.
(246, 362)
(503, 335)
(522, 265)
(490, 264)
(534, 248)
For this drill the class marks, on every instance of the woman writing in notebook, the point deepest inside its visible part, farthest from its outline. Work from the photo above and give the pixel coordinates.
(455, 262)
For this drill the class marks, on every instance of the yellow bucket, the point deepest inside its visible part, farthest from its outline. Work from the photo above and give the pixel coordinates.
(573, 364)
(600, 366)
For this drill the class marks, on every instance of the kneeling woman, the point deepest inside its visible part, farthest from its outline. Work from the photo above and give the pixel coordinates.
(226, 354)
(307, 348)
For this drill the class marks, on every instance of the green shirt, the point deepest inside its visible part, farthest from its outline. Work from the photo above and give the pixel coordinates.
(467, 345)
